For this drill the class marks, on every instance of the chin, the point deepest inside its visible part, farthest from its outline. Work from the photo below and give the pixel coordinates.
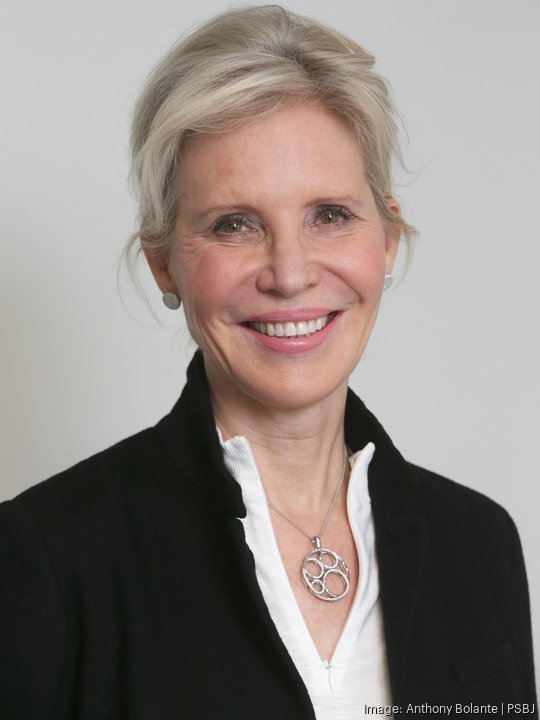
(280, 381)
(294, 392)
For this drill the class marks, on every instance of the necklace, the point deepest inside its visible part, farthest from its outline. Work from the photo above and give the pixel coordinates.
(322, 563)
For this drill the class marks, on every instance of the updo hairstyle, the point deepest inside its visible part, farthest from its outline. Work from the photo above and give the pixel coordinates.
(240, 66)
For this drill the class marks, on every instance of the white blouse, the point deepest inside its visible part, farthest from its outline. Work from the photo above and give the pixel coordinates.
(356, 676)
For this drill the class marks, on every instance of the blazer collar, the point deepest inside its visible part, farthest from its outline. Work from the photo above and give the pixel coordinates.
(401, 534)
(390, 479)
(188, 435)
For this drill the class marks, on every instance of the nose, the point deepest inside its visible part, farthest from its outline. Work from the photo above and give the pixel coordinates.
(289, 266)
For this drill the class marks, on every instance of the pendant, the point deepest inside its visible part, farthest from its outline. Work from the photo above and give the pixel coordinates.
(321, 564)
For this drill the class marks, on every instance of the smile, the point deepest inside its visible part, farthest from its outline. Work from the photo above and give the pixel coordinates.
(291, 329)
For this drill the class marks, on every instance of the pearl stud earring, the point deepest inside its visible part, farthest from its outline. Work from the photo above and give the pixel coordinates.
(388, 280)
(171, 300)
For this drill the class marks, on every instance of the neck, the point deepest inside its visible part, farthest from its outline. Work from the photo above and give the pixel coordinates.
(299, 451)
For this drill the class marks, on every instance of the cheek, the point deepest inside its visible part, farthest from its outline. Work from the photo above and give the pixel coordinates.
(208, 282)
(363, 269)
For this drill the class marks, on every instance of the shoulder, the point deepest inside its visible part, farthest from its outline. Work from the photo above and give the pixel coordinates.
(108, 471)
(438, 488)
(100, 490)
(439, 493)
(443, 498)
(461, 518)
(90, 525)
(399, 486)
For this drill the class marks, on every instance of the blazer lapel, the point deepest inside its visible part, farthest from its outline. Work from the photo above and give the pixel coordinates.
(401, 546)
(400, 530)
(401, 534)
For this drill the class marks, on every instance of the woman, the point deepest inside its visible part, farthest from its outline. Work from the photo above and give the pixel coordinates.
(264, 551)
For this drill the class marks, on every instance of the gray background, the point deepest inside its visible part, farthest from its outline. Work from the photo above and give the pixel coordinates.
(452, 368)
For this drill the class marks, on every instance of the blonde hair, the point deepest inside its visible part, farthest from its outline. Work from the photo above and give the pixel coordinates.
(237, 67)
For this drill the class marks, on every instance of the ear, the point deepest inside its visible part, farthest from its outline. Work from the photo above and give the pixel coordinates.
(159, 267)
(392, 234)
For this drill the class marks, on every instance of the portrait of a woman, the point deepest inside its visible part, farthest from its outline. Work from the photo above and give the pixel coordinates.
(264, 550)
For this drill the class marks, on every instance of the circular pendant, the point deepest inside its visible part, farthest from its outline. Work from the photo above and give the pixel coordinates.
(323, 565)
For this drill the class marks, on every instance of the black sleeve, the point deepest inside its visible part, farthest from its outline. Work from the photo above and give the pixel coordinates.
(522, 620)
(36, 668)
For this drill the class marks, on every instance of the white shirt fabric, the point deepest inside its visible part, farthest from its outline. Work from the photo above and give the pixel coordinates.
(356, 676)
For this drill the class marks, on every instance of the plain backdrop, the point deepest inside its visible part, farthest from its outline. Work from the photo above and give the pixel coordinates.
(452, 368)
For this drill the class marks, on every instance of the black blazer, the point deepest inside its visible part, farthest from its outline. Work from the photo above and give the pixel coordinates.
(128, 590)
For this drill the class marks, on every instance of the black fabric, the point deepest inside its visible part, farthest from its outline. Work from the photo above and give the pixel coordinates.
(128, 590)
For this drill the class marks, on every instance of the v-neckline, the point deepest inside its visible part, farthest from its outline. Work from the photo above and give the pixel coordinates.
(289, 619)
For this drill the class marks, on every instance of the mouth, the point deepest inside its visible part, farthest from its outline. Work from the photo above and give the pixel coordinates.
(303, 328)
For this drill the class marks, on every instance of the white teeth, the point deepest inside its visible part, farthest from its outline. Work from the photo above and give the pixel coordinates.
(290, 329)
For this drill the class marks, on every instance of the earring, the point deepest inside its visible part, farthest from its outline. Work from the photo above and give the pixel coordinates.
(171, 300)
(388, 280)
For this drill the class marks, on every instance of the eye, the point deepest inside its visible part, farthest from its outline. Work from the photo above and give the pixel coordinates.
(332, 215)
(231, 225)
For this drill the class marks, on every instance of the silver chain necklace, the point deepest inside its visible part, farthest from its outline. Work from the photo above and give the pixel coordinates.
(322, 563)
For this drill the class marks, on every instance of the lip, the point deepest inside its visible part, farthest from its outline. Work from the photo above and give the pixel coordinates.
(283, 316)
(293, 345)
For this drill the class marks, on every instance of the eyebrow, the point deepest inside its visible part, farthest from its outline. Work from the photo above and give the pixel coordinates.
(336, 199)
(221, 210)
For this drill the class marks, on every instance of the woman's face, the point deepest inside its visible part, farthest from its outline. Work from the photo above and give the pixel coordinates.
(279, 257)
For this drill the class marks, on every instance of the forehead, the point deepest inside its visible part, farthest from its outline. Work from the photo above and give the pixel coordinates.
(301, 149)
